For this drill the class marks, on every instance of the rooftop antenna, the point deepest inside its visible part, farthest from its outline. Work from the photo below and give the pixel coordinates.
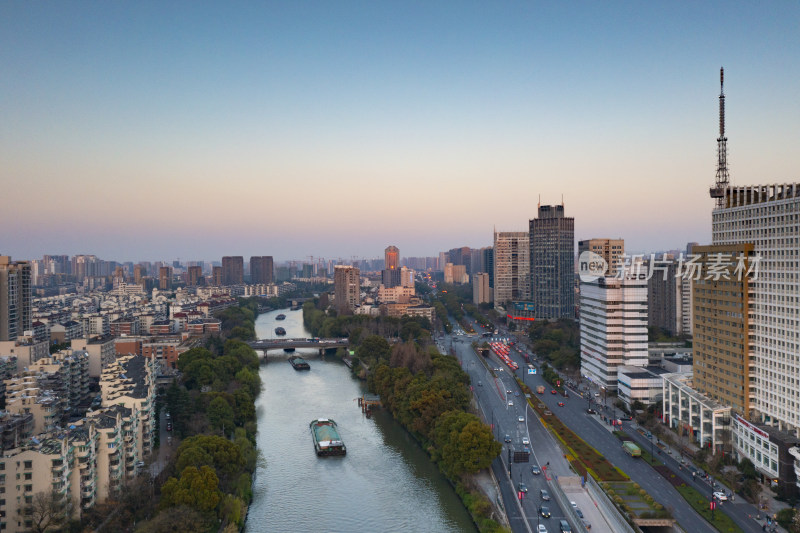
(718, 190)
(540, 201)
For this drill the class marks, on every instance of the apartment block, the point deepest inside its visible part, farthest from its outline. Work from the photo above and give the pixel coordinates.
(15, 298)
(511, 267)
(347, 287)
(611, 250)
(481, 291)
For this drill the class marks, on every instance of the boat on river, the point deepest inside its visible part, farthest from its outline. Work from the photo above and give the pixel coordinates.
(280, 317)
(298, 363)
(326, 437)
(280, 331)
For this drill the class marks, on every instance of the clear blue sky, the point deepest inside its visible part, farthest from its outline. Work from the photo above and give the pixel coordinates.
(158, 130)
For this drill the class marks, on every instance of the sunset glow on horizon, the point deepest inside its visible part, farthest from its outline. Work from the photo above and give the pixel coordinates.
(144, 131)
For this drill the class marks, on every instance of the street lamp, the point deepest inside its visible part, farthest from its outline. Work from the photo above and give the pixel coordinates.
(652, 458)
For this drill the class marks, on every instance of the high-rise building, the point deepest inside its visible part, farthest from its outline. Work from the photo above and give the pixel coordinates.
(233, 270)
(194, 276)
(552, 263)
(511, 267)
(165, 278)
(721, 361)
(392, 258)
(481, 292)
(461, 256)
(16, 315)
(138, 273)
(390, 278)
(664, 295)
(611, 250)
(455, 274)
(216, 276)
(487, 263)
(768, 216)
(346, 288)
(261, 270)
(613, 327)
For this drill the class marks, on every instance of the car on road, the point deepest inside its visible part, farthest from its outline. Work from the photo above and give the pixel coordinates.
(522, 487)
(721, 496)
(510, 402)
(544, 495)
(553, 391)
(586, 523)
(535, 470)
(574, 505)
(561, 404)
(507, 438)
(541, 528)
(526, 440)
(516, 393)
(591, 411)
(578, 512)
(520, 419)
(563, 526)
(169, 426)
(480, 384)
(544, 511)
(509, 392)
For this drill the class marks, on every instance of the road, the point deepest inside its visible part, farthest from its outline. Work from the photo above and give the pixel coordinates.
(592, 429)
(503, 410)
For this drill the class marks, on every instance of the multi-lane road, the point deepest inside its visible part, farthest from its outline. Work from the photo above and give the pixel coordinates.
(594, 431)
(507, 410)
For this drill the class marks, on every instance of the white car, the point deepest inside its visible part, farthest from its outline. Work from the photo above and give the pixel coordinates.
(721, 496)
(542, 529)
(510, 403)
(526, 441)
(521, 419)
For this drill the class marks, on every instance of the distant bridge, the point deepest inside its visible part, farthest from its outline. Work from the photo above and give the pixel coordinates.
(319, 344)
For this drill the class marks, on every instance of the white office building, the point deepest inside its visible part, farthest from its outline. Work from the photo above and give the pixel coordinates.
(768, 216)
(613, 316)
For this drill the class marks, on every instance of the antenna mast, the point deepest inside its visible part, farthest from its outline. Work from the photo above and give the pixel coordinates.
(718, 190)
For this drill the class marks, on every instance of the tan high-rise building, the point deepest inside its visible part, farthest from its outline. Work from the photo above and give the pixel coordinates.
(15, 298)
(347, 287)
(261, 270)
(216, 276)
(165, 278)
(392, 258)
(721, 364)
(138, 273)
(611, 250)
(194, 275)
(233, 270)
(481, 292)
(512, 279)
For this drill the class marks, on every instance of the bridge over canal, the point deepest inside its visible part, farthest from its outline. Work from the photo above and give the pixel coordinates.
(320, 344)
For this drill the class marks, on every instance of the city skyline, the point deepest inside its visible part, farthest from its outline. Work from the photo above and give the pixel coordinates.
(166, 131)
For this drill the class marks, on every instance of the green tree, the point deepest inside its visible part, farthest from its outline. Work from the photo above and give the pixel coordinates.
(197, 488)
(224, 456)
(463, 444)
(220, 415)
(176, 519)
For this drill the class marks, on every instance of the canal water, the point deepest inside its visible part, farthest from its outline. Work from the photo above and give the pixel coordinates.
(384, 483)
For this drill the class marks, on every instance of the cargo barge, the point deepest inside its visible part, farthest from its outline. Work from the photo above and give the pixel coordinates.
(280, 317)
(326, 438)
(280, 331)
(298, 363)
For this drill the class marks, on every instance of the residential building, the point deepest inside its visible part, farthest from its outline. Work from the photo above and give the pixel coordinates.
(397, 294)
(552, 263)
(261, 270)
(15, 298)
(346, 288)
(481, 292)
(613, 327)
(165, 278)
(102, 352)
(511, 267)
(194, 276)
(216, 276)
(232, 270)
(664, 295)
(456, 274)
(26, 350)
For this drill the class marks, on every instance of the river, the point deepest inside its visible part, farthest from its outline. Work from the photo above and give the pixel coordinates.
(384, 483)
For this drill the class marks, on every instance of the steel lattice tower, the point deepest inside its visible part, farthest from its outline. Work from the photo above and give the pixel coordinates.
(718, 190)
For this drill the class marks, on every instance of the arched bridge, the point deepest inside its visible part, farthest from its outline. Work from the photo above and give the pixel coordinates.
(319, 344)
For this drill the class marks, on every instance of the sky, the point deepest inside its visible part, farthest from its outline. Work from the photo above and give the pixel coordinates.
(193, 130)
